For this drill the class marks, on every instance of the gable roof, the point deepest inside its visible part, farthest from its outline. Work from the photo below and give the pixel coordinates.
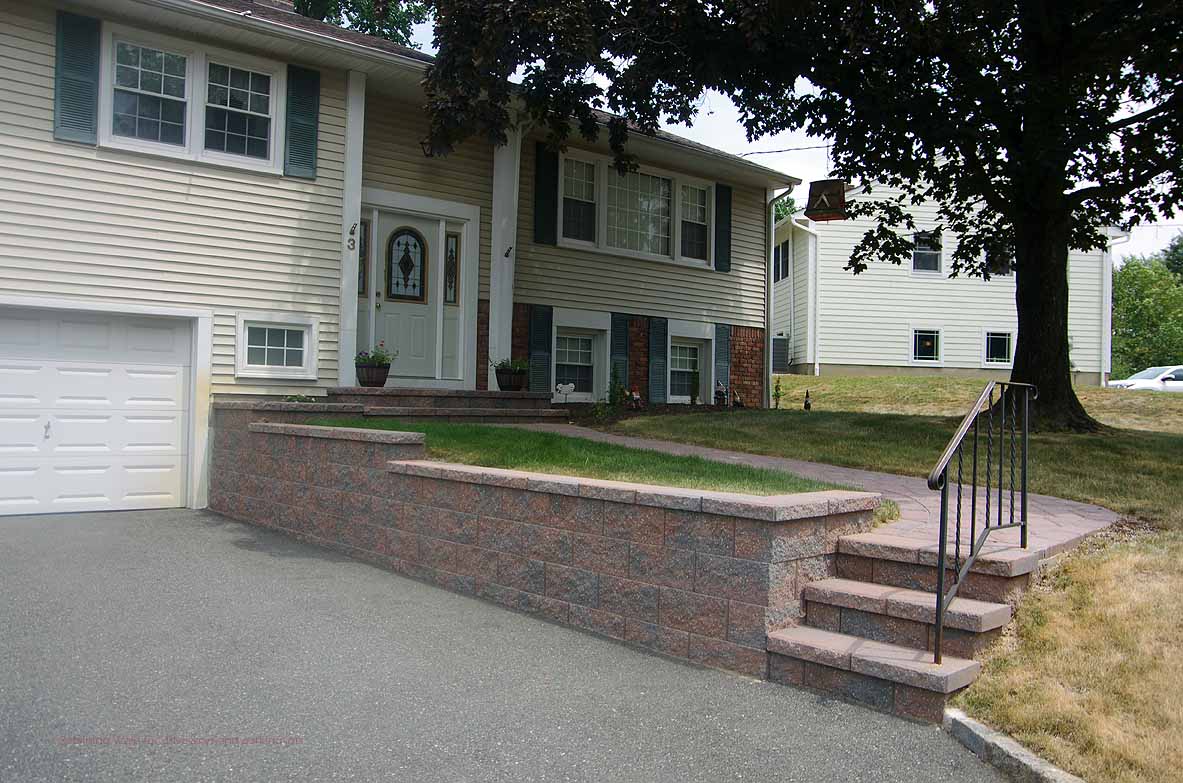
(275, 18)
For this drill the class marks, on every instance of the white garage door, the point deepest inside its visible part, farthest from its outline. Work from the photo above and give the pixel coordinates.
(93, 411)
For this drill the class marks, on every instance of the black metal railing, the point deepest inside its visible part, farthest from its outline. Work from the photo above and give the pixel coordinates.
(997, 436)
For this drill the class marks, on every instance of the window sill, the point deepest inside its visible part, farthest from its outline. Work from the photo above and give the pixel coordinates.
(693, 263)
(927, 363)
(276, 373)
(997, 365)
(183, 155)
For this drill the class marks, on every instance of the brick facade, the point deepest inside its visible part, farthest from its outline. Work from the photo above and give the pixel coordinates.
(520, 339)
(701, 576)
(747, 365)
(482, 344)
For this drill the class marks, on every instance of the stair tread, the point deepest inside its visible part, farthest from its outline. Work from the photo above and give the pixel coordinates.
(996, 559)
(509, 413)
(890, 662)
(966, 614)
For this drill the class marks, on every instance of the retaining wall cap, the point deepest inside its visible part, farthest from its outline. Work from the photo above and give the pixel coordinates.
(771, 508)
(276, 405)
(339, 433)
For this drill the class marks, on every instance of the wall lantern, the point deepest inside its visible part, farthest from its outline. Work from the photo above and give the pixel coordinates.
(827, 200)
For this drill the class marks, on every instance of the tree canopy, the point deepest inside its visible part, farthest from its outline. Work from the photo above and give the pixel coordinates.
(389, 19)
(1147, 316)
(1033, 124)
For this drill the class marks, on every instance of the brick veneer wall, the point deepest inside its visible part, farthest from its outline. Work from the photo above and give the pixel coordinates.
(747, 364)
(520, 338)
(482, 344)
(702, 576)
(638, 355)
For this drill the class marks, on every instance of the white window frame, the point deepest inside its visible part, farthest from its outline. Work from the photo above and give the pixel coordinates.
(604, 169)
(986, 363)
(926, 327)
(681, 399)
(309, 323)
(940, 270)
(703, 336)
(196, 77)
(583, 323)
(597, 369)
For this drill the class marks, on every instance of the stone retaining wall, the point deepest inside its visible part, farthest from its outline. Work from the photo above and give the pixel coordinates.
(697, 575)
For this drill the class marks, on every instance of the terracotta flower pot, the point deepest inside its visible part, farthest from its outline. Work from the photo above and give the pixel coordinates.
(373, 376)
(511, 380)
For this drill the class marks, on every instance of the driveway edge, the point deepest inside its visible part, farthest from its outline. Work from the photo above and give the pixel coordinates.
(1003, 753)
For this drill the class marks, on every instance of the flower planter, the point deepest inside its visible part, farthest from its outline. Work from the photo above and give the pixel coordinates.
(511, 380)
(372, 376)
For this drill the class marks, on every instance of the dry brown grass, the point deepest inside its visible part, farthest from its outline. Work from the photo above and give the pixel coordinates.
(1092, 678)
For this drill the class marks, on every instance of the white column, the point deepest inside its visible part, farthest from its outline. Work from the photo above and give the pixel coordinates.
(355, 115)
(507, 163)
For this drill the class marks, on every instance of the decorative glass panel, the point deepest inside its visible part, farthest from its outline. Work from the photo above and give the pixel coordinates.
(573, 362)
(926, 257)
(452, 269)
(149, 96)
(363, 257)
(274, 346)
(579, 200)
(998, 347)
(926, 345)
(238, 112)
(639, 213)
(406, 266)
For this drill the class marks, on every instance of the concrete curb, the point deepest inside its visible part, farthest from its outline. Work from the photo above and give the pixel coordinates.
(1002, 752)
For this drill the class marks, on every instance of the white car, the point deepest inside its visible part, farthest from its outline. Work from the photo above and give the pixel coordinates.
(1153, 379)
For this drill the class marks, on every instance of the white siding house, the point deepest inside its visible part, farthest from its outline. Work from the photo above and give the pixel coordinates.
(914, 317)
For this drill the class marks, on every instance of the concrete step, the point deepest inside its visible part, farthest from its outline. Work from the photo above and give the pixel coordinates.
(470, 415)
(995, 559)
(393, 397)
(893, 615)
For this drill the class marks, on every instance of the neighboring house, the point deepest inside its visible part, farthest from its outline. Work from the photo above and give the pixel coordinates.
(223, 198)
(913, 317)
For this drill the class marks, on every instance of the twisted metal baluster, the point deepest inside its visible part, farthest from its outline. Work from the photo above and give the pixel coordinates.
(960, 481)
(989, 454)
(1014, 410)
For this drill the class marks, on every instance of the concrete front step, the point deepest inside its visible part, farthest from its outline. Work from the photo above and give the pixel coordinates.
(887, 677)
(439, 398)
(894, 615)
(470, 415)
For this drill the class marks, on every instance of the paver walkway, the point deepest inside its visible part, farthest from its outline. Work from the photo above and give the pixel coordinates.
(1055, 524)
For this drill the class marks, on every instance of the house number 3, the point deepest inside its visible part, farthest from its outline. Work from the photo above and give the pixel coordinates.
(352, 243)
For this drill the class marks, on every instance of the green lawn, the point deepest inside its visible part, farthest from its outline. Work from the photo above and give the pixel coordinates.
(501, 447)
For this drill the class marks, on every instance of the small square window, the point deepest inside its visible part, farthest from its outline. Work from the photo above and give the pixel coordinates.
(926, 345)
(276, 350)
(998, 348)
(926, 257)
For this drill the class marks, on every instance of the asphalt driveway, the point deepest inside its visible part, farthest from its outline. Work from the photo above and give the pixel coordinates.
(180, 646)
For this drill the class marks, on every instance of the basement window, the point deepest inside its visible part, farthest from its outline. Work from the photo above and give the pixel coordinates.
(276, 345)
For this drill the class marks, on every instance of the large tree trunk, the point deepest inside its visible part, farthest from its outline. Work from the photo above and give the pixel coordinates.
(1041, 294)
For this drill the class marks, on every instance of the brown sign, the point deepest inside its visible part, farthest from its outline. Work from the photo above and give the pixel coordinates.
(827, 200)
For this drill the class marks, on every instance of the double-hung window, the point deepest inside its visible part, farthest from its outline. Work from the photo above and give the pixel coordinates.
(647, 214)
(579, 200)
(183, 100)
(926, 256)
(695, 225)
(574, 362)
(684, 373)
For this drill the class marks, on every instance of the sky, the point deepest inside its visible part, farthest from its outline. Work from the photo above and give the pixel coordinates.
(718, 125)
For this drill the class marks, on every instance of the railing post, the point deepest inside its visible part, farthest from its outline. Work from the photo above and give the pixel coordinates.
(1026, 441)
(941, 547)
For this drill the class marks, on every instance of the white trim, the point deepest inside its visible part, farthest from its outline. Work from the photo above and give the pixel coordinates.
(926, 326)
(507, 164)
(597, 325)
(311, 327)
(201, 366)
(769, 302)
(469, 216)
(939, 272)
(603, 168)
(813, 281)
(355, 111)
(1106, 313)
(986, 364)
(196, 78)
(706, 375)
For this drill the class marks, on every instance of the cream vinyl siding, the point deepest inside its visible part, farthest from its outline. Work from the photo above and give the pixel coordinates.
(116, 226)
(586, 279)
(393, 160)
(801, 297)
(867, 319)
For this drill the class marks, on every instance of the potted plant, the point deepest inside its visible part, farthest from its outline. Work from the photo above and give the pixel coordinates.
(511, 374)
(373, 367)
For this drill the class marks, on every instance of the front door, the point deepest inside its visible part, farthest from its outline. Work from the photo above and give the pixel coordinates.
(407, 295)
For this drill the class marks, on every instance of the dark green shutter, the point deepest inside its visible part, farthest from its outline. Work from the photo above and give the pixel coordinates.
(780, 354)
(76, 80)
(722, 228)
(541, 318)
(776, 264)
(546, 195)
(303, 116)
(619, 348)
(658, 359)
(722, 356)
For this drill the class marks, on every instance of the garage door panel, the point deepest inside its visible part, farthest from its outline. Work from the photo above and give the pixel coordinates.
(92, 484)
(94, 411)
